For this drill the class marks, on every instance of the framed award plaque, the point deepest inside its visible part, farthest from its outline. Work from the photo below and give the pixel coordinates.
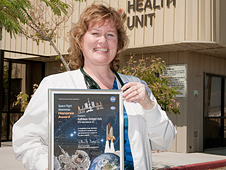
(86, 130)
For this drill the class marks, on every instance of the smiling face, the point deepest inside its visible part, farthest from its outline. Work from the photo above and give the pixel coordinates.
(99, 44)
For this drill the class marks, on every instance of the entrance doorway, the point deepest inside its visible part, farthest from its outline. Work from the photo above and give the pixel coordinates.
(18, 76)
(214, 112)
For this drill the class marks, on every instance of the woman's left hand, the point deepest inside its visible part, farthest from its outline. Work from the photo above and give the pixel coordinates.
(136, 92)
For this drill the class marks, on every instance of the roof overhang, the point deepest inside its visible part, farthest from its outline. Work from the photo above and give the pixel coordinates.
(203, 47)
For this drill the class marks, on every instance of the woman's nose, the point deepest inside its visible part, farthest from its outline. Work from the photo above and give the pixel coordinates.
(103, 39)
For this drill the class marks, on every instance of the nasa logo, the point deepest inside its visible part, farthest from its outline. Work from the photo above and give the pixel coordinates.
(112, 98)
(113, 107)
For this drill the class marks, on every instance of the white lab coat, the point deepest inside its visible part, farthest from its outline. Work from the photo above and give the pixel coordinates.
(146, 128)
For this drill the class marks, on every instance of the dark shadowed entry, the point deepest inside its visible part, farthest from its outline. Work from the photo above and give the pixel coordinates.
(214, 112)
(17, 76)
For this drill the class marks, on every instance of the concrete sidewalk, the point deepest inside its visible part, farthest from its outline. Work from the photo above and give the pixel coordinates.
(161, 160)
(190, 161)
(7, 158)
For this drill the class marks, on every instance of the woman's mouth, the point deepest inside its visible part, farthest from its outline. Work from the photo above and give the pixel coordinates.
(101, 49)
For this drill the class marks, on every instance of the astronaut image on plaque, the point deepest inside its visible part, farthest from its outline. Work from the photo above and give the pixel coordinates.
(86, 130)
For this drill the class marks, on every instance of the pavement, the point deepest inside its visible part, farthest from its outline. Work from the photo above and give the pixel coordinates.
(211, 159)
(208, 160)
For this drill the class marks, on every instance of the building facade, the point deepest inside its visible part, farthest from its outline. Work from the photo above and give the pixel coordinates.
(186, 33)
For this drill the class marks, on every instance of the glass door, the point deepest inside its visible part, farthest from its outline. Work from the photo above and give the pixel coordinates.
(224, 109)
(214, 114)
(17, 77)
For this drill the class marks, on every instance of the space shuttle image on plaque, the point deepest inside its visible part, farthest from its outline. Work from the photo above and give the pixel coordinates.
(86, 129)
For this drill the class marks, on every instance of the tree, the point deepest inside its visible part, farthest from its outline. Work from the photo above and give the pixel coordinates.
(45, 25)
(36, 19)
(12, 13)
(150, 70)
(30, 19)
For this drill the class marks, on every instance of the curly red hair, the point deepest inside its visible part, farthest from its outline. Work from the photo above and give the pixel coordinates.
(95, 14)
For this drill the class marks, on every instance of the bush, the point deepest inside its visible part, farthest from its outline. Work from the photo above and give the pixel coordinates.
(150, 70)
(23, 98)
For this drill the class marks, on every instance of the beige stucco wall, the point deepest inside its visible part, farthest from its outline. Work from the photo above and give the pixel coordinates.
(188, 20)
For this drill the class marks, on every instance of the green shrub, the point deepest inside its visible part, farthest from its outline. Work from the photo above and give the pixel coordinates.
(150, 70)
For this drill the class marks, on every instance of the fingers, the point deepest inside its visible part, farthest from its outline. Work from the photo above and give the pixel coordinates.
(131, 96)
(136, 92)
(133, 92)
(127, 86)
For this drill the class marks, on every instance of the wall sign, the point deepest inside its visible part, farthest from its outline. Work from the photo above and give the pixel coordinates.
(143, 5)
(178, 78)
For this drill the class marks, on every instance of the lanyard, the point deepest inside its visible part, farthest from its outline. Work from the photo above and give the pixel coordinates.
(91, 84)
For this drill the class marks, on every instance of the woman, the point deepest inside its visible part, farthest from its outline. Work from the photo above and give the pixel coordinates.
(95, 44)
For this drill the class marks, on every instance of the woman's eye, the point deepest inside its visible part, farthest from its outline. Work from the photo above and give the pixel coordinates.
(95, 33)
(110, 35)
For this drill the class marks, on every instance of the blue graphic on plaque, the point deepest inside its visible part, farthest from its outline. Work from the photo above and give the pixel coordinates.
(106, 161)
(86, 129)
